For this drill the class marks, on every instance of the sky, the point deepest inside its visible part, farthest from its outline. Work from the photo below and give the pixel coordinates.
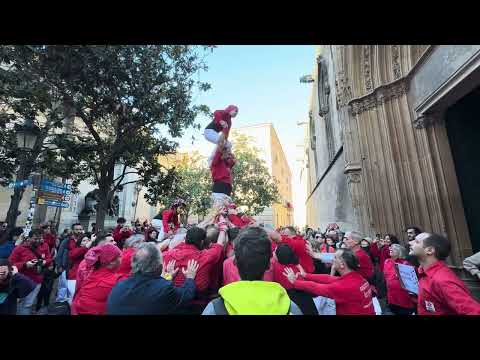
(264, 82)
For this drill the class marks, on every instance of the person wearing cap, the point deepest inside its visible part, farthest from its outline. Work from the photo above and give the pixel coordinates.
(399, 300)
(221, 124)
(128, 251)
(440, 291)
(351, 292)
(91, 298)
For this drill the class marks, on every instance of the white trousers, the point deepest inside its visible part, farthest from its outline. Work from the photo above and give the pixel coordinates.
(220, 199)
(213, 137)
(71, 285)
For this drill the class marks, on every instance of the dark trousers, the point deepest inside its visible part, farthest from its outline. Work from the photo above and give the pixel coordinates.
(43, 298)
(398, 310)
(304, 301)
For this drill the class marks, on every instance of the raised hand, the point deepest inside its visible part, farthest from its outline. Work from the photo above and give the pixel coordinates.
(290, 274)
(191, 271)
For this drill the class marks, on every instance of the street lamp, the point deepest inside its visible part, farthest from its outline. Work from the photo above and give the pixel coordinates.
(26, 135)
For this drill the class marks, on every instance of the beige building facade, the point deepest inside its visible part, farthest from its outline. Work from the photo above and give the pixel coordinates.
(265, 139)
(398, 125)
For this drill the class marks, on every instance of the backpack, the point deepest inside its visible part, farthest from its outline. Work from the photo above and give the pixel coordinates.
(62, 255)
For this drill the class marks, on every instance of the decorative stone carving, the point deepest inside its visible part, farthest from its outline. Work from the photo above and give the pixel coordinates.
(379, 96)
(353, 177)
(344, 91)
(422, 121)
(367, 68)
(397, 73)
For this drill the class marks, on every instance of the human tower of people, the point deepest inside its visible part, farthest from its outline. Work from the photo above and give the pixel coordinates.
(226, 265)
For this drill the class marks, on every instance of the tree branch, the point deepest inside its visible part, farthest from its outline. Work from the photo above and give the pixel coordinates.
(121, 177)
(130, 182)
(90, 127)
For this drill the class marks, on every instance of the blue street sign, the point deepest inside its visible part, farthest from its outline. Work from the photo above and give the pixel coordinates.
(55, 190)
(20, 183)
(54, 203)
(56, 185)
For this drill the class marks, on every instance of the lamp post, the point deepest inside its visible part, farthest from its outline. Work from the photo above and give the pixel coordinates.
(27, 138)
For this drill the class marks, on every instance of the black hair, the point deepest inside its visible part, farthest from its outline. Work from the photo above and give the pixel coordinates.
(6, 262)
(417, 229)
(149, 231)
(100, 237)
(291, 229)
(196, 236)
(79, 240)
(76, 224)
(253, 251)
(441, 245)
(285, 255)
(350, 259)
(233, 233)
(121, 220)
(393, 239)
(46, 226)
(34, 232)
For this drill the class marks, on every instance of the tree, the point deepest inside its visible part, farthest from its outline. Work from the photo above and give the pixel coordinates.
(253, 186)
(193, 185)
(26, 96)
(122, 99)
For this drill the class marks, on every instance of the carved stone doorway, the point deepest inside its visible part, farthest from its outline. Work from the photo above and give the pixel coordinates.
(463, 130)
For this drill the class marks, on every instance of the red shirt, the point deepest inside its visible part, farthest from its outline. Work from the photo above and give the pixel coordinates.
(384, 255)
(221, 169)
(206, 259)
(51, 240)
(82, 274)
(297, 243)
(91, 298)
(441, 292)
(170, 216)
(220, 115)
(121, 236)
(75, 256)
(22, 254)
(237, 221)
(323, 248)
(230, 272)
(351, 292)
(126, 264)
(278, 277)
(396, 295)
(366, 265)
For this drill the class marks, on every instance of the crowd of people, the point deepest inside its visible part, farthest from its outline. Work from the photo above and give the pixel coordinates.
(226, 265)
(219, 268)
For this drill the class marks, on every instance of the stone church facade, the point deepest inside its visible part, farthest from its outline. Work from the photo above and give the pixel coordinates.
(391, 141)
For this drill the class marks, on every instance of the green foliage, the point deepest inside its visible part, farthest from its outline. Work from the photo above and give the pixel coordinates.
(253, 186)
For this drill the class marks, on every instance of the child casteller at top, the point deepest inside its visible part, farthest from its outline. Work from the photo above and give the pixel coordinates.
(221, 123)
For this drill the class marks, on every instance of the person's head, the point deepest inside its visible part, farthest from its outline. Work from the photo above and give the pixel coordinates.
(333, 234)
(290, 231)
(47, 229)
(285, 255)
(430, 246)
(233, 234)
(352, 239)
(103, 238)
(390, 239)
(147, 260)
(77, 229)
(319, 238)
(397, 251)
(345, 261)
(253, 251)
(5, 271)
(364, 244)
(104, 256)
(15, 233)
(231, 110)
(84, 238)
(212, 233)
(196, 236)
(177, 205)
(329, 241)
(35, 237)
(412, 231)
(121, 221)
(134, 241)
(152, 234)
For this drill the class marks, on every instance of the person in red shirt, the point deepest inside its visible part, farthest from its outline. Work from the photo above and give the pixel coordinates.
(128, 251)
(352, 240)
(121, 232)
(31, 258)
(167, 222)
(77, 248)
(440, 291)
(193, 249)
(48, 237)
(399, 300)
(91, 298)
(298, 245)
(351, 292)
(221, 164)
(83, 270)
(221, 124)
